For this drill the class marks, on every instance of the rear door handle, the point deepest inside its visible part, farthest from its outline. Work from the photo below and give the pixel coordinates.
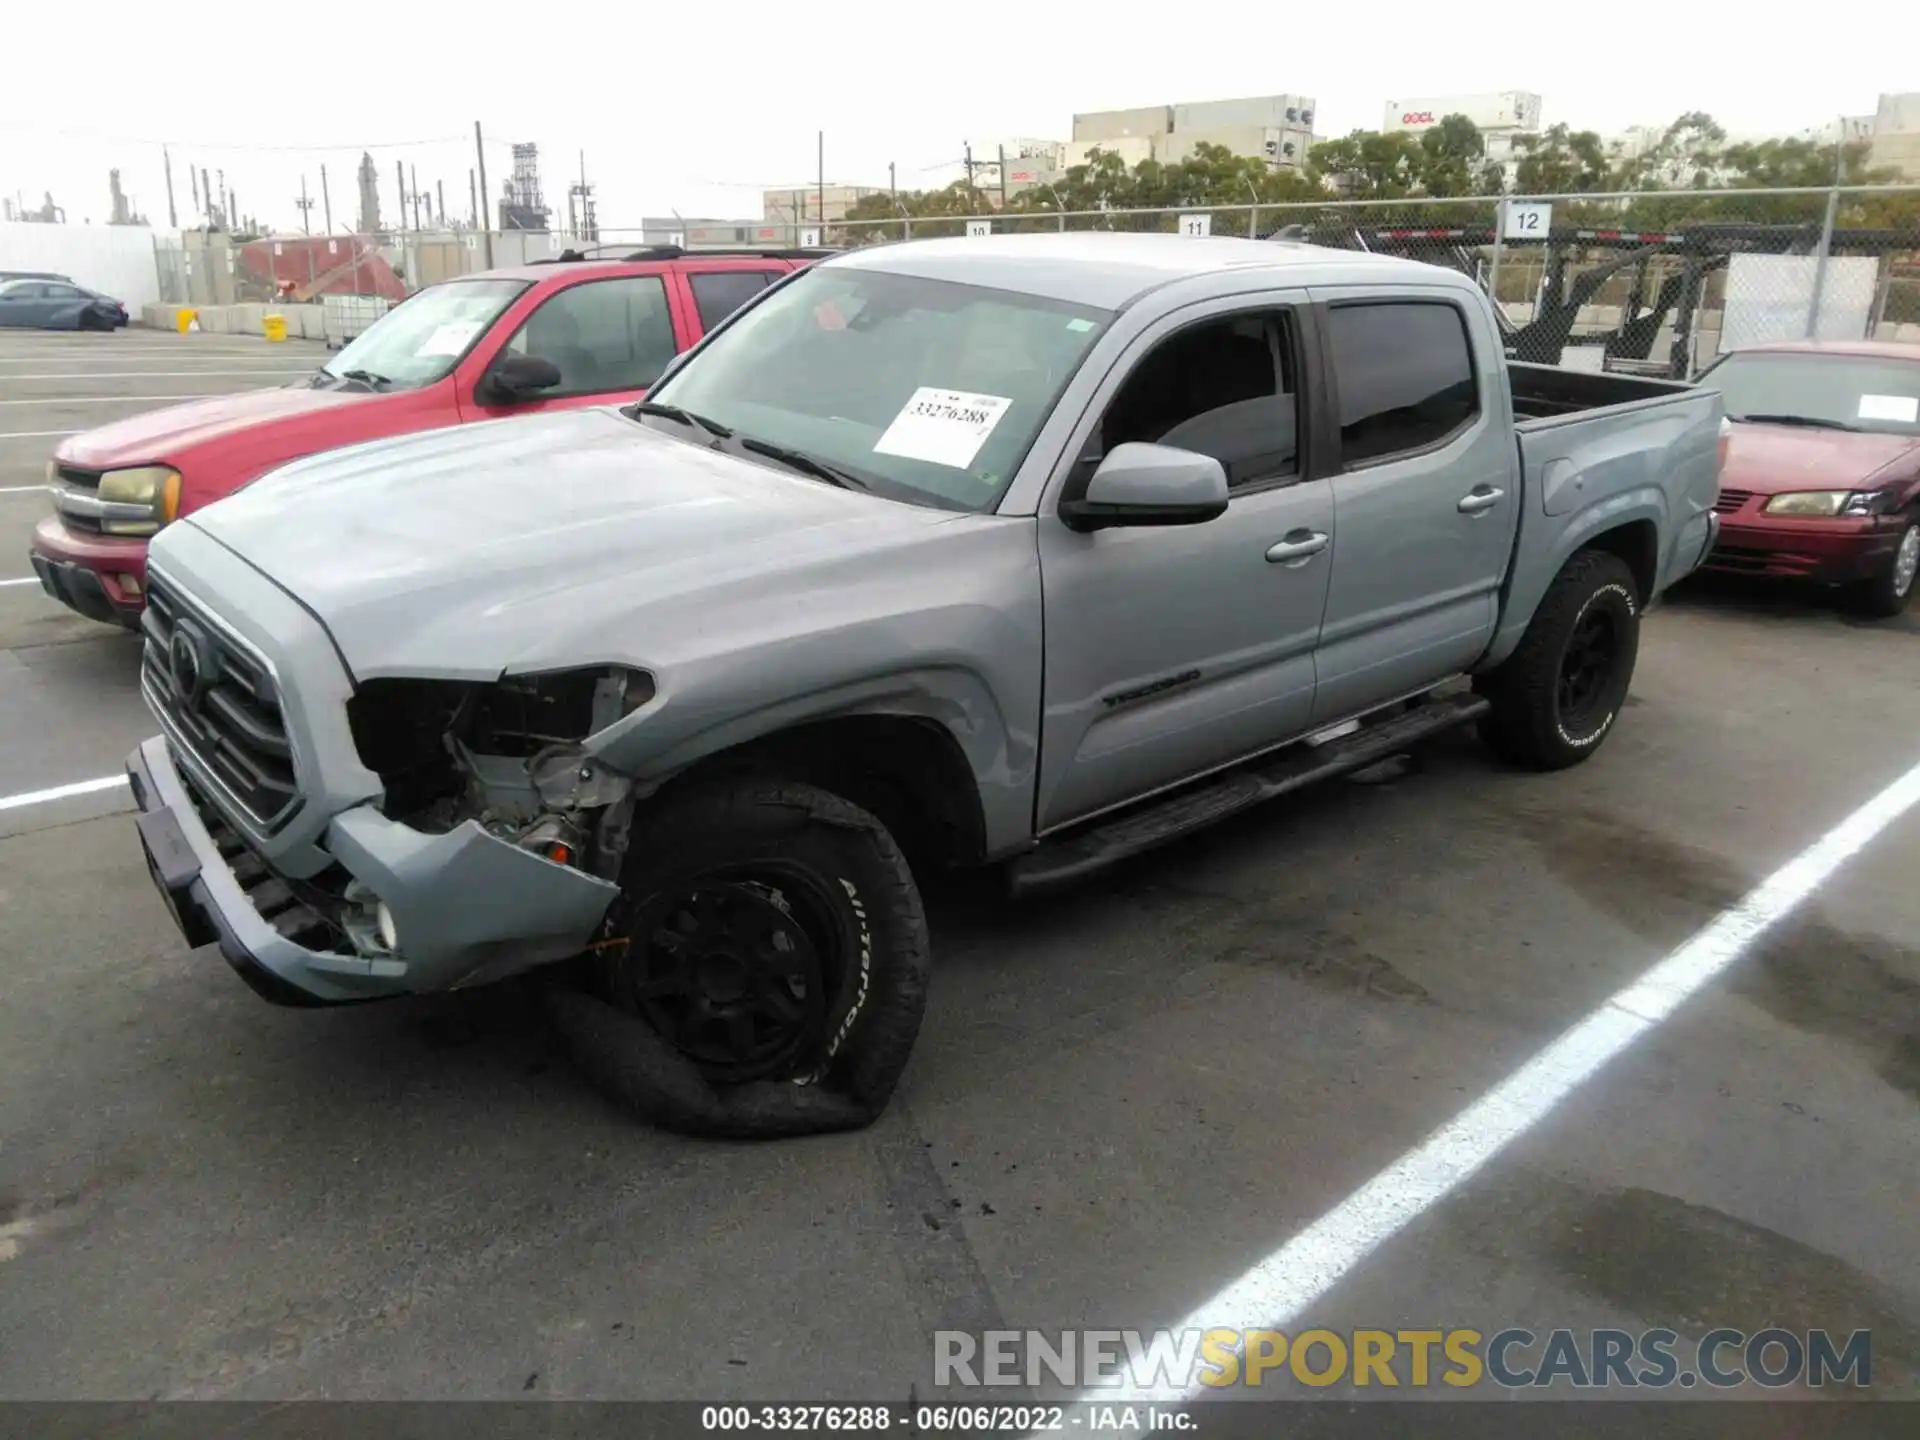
(1481, 497)
(1299, 545)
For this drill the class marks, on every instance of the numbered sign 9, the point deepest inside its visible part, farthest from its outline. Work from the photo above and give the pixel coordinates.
(1196, 224)
(809, 238)
(678, 239)
(1528, 221)
(978, 228)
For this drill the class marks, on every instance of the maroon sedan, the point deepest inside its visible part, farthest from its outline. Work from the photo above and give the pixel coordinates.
(1822, 475)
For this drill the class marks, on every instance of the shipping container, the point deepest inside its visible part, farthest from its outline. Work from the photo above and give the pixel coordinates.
(1273, 111)
(1123, 124)
(1506, 110)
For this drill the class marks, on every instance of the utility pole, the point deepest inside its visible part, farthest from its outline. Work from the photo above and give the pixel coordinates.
(473, 198)
(400, 179)
(306, 206)
(820, 179)
(173, 218)
(440, 194)
(193, 180)
(1003, 177)
(480, 152)
(326, 200)
(413, 184)
(969, 164)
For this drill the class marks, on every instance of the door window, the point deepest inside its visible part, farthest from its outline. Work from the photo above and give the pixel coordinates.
(718, 293)
(1223, 388)
(1404, 372)
(603, 335)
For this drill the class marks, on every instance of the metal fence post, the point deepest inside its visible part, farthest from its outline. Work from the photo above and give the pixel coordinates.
(1253, 223)
(1820, 263)
(1499, 243)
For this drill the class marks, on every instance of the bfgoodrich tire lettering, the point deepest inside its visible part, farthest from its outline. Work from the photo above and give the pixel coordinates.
(1557, 697)
(782, 862)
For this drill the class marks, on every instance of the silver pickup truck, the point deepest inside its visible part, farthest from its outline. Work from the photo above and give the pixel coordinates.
(1029, 551)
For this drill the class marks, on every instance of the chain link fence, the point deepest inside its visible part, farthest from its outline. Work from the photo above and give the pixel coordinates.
(1652, 282)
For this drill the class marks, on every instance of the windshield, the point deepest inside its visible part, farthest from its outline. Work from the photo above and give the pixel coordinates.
(422, 339)
(1854, 392)
(921, 390)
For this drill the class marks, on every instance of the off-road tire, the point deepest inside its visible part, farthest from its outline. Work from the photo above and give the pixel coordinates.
(1879, 595)
(1527, 726)
(874, 1012)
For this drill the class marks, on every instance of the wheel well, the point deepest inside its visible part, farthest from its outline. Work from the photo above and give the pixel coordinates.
(1638, 544)
(908, 772)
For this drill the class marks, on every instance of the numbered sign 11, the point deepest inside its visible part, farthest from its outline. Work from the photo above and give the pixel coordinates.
(978, 228)
(1196, 224)
(1527, 220)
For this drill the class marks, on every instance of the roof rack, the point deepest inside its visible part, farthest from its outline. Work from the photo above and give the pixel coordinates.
(577, 254)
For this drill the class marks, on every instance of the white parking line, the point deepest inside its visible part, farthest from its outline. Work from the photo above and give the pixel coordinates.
(159, 374)
(61, 792)
(33, 434)
(114, 399)
(1279, 1289)
(23, 489)
(23, 580)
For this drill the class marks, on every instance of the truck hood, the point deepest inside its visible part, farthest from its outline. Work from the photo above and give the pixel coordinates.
(166, 434)
(560, 539)
(1773, 459)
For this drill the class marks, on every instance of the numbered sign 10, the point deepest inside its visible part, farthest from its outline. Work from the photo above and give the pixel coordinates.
(1196, 224)
(1528, 221)
(976, 229)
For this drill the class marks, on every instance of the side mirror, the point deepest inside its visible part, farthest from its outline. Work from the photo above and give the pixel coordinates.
(521, 377)
(1140, 484)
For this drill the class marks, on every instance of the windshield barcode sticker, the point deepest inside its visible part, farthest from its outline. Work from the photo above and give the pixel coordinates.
(1904, 408)
(942, 427)
(450, 339)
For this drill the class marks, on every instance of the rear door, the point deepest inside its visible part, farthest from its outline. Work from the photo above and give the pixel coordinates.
(610, 336)
(1424, 490)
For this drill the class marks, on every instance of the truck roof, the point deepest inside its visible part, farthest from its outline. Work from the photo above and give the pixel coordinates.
(1111, 269)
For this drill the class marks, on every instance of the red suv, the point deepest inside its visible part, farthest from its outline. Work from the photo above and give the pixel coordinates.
(551, 335)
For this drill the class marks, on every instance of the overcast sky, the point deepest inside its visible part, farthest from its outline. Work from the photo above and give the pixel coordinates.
(694, 108)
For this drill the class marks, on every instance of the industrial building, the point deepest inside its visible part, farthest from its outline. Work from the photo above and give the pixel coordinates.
(811, 204)
(1274, 128)
(1894, 136)
(1500, 117)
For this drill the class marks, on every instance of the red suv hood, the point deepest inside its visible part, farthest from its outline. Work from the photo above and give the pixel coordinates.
(1773, 459)
(164, 434)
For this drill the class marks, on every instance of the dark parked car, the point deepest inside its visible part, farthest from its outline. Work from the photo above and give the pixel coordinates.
(1822, 480)
(57, 305)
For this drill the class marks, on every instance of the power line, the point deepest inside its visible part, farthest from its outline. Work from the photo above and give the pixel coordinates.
(230, 147)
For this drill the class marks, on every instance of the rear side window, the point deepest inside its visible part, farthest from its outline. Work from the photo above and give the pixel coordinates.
(718, 293)
(1405, 376)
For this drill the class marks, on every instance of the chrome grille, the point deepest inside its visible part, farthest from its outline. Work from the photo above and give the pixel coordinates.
(221, 706)
(1732, 500)
(86, 482)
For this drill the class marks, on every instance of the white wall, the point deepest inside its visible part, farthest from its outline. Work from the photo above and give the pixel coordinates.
(116, 260)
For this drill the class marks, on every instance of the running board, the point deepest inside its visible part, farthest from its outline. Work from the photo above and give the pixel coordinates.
(1082, 852)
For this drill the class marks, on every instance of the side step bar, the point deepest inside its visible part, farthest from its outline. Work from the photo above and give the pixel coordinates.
(1082, 852)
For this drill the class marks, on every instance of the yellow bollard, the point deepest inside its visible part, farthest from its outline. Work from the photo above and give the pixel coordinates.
(189, 321)
(274, 327)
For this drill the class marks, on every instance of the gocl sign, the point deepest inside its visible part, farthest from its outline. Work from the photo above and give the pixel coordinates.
(1417, 117)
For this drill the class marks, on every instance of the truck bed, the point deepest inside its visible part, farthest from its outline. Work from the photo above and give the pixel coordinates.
(1543, 394)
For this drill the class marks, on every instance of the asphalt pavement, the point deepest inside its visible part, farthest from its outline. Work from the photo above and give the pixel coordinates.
(1125, 1099)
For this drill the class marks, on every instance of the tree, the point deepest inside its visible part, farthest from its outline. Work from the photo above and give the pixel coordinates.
(1559, 161)
(1369, 164)
(1453, 158)
(1686, 156)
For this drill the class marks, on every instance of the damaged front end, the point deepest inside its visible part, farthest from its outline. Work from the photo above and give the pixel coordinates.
(508, 755)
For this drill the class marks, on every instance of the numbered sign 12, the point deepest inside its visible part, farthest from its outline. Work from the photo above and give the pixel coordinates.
(1528, 221)
(1196, 224)
(978, 228)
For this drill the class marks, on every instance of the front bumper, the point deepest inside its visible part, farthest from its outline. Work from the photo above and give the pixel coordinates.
(469, 908)
(1831, 552)
(102, 577)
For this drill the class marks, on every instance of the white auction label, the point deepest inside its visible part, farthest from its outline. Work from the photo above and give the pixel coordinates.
(450, 339)
(942, 427)
(1196, 224)
(1528, 220)
(1903, 408)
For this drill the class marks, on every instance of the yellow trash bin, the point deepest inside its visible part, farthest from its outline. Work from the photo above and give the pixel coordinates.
(189, 320)
(274, 326)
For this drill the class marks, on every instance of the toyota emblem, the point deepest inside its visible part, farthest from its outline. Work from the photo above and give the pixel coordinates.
(187, 667)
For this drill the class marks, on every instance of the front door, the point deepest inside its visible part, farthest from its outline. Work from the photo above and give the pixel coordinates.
(610, 339)
(1425, 491)
(1174, 651)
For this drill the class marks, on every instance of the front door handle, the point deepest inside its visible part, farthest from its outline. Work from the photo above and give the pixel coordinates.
(1299, 545)
(1481, 497)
